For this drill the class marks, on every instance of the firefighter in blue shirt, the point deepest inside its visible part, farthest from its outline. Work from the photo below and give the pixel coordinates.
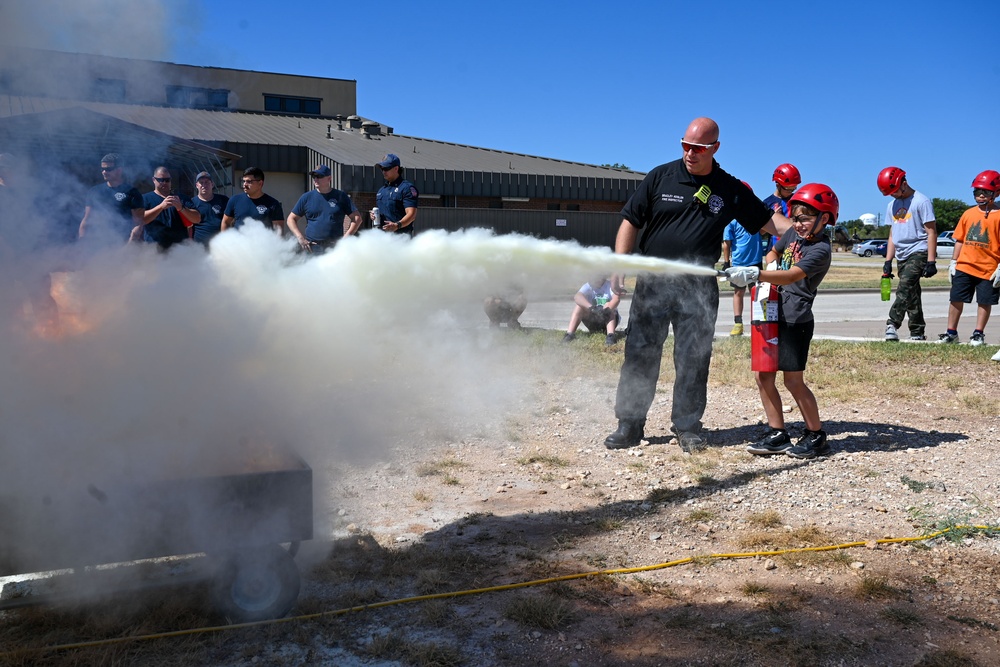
(397, 199)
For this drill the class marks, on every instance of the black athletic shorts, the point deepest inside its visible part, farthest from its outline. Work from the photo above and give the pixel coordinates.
(963, 286)
(793, 345)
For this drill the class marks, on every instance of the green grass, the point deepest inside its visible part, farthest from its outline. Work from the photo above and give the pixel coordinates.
(844, 275)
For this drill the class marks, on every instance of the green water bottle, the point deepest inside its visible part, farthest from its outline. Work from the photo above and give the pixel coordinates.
(886, 287)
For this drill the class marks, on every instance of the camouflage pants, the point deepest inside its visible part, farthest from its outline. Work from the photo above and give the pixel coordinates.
(908, 300)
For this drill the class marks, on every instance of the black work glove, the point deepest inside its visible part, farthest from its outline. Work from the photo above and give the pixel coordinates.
(887, 268)
(725, 265)
(930, 269)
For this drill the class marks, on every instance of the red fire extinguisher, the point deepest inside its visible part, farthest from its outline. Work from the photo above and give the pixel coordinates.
(764, 329)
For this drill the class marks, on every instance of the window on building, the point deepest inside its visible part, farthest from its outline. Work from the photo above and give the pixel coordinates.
(552, 207)
(108, 90)
(572, 207)
(190, 97)
(303, 105)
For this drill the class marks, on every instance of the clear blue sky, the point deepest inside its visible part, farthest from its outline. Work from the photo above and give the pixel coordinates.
(839, 89)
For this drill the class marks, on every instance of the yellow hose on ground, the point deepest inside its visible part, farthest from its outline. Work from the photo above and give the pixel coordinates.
(490, 589)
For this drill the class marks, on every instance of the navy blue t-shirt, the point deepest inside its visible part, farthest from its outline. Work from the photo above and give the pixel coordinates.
(265, 208)
(168, 227)
(111, 209)
(393, 199)
(324, 213)
(211, 217)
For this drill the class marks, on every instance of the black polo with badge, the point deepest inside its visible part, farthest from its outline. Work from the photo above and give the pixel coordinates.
(682, 216)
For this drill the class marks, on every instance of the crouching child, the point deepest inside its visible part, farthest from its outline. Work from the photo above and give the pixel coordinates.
(802, 257)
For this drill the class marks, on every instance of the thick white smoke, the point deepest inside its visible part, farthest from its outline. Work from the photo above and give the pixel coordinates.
(167, 365)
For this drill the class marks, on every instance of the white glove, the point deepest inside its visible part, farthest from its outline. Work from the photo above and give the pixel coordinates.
(996, 277)
(951, 270)
(763, 294)
(741, 276)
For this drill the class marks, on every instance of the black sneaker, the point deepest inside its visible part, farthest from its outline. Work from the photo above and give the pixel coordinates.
(811, 445)
(629, 434)
(610, 340)
(775, 442)
(691, 441)
(568, 337)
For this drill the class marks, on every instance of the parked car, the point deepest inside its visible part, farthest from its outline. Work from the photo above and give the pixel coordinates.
(871, 247)
(945, 247)
(946, 235)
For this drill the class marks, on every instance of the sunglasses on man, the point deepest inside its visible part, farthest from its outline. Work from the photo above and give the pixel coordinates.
(697, 149)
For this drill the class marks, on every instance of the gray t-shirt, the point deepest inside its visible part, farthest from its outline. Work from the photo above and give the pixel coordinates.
(813, 257)
(907, 218)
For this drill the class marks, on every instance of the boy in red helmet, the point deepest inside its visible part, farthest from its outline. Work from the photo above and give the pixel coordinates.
(803, 256)
(786, 178)
(913, 244)
(974, 265)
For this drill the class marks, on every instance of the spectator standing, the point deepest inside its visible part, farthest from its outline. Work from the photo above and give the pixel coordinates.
(211, 206)
(324, 209)
(596, 308)
(168, 216)
(254, 203)
(113, 209)
(397, 199)
(803, 255)
(679, 211)
(740, 248)
(975, 266)
(786, 178)
(913, 244)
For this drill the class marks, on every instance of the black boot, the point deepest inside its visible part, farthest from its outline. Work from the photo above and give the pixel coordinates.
(629, 434)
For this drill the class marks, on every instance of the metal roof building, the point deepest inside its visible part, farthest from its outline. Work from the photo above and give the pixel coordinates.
(230, 132)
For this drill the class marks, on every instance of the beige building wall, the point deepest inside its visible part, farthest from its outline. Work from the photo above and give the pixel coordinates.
(102, 78)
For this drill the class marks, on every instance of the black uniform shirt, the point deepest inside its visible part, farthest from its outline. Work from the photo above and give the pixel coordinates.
(674, 224)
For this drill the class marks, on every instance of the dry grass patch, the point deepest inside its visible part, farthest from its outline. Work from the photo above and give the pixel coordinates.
(540, 611)
(767, 519)
(442, 467)
(543, 459)
(805, 536)
(754, 589)
(874, 587)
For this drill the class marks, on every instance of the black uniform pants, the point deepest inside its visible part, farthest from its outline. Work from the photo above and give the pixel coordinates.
(690, 305)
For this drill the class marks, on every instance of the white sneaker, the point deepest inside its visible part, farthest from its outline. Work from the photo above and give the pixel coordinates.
(891, 333)
(977, 339)
(996, 357)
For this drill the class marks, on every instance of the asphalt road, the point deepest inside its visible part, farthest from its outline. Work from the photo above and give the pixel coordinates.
(840, 314)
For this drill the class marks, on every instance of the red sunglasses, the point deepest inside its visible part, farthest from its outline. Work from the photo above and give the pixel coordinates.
(696, 148)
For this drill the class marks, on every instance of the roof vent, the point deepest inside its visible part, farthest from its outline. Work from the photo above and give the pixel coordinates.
(354, 122)
(369, 127)
(340, 121)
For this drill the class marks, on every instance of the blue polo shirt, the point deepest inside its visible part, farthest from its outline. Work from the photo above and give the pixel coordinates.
(324, 214)
(168, 227)
(393, 199)
(211, 217)
(265, 208)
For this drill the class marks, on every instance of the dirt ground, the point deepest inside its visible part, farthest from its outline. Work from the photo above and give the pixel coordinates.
(537, 497)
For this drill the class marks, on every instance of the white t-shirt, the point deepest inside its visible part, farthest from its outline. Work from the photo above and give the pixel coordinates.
(599, 296)
(908, 217)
